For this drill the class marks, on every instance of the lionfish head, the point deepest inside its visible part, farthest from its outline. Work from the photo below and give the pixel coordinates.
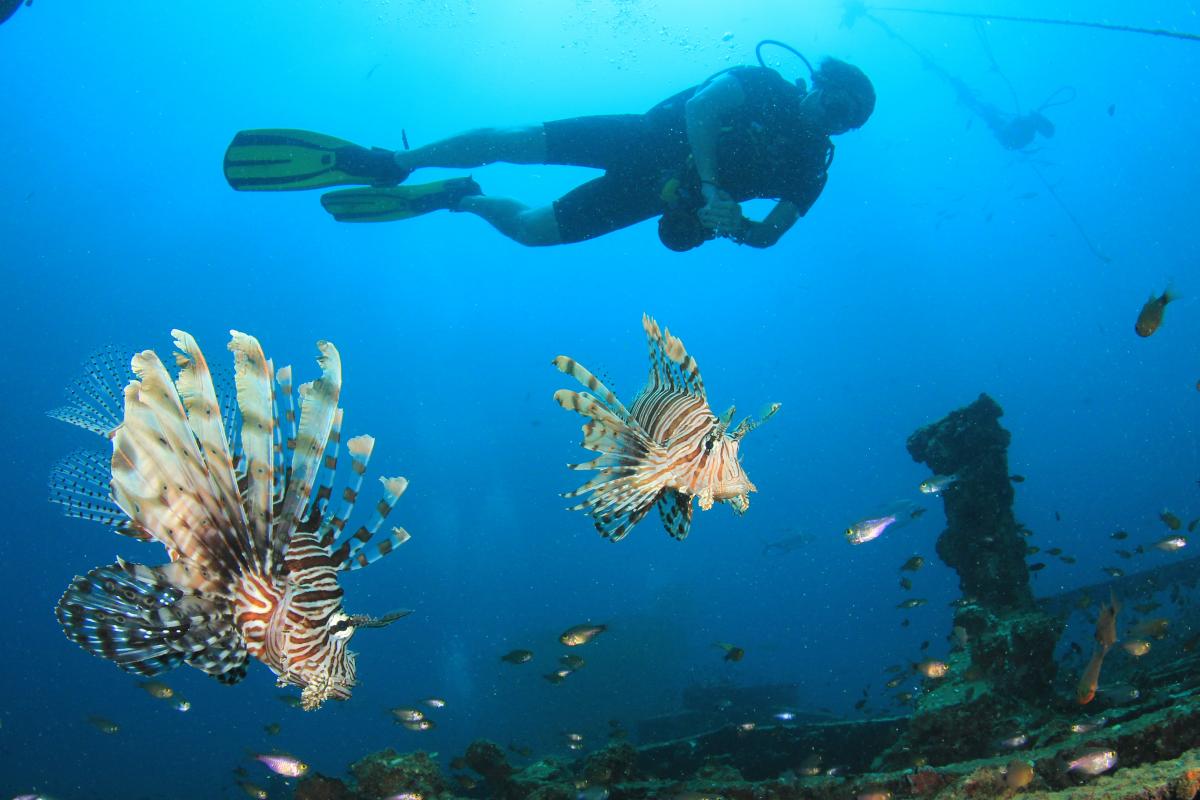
(328, 673)
(731, 484)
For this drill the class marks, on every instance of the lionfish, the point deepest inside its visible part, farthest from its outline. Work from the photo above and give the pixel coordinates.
(254, 552)
(668, 449)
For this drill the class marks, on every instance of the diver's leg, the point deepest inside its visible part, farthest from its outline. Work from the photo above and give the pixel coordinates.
(534, 227)
(524, 144)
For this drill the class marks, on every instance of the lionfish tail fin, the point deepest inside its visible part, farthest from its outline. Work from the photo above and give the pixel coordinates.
(136, 617)
(627, 484)
(675, 509)
(750, 423)
(671, 368)
(94, 400)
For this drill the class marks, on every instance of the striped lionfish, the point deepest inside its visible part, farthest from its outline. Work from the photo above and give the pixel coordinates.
(254, 553)
(668, 449)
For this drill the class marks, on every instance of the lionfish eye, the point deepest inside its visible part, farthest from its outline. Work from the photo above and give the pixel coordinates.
(340, 627)
(708, 443)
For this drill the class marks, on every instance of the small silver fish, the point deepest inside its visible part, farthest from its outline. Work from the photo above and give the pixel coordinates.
(1171, 543)
(1088, 725)
(1094, 762)
(285, 765)
(420, 725)
(868, 529)
(937, 484)
(408, 714)
(1015, 741)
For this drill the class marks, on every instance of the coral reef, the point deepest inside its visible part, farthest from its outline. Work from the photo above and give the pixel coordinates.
(319, 787)
(389, 773)
(488, 760)
(1153, 741)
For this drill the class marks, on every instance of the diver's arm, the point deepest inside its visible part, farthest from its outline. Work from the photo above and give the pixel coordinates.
(766, 233)
(703, 115)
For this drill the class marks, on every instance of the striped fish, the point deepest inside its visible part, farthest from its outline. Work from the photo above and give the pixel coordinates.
(241, 504)
(669, 448)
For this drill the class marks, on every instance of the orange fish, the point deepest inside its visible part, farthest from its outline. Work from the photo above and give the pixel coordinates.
(1106, 637)
(1152, 314)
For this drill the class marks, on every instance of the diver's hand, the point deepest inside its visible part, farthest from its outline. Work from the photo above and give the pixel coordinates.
(720, 213)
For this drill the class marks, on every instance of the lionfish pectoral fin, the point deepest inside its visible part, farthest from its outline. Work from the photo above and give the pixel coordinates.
(626, 486)
(95, 399)
(675, 509)
(750, 423)
(367, 621)
(616, 524)
(131, 615)
(79, 483)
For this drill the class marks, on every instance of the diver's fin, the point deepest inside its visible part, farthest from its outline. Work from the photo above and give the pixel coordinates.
(271, 160)
(399, 202)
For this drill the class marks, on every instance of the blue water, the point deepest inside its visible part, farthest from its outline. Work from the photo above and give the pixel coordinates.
(934, 267)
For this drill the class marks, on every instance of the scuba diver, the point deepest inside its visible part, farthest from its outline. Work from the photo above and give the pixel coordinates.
(1013, 131)
(744, 133)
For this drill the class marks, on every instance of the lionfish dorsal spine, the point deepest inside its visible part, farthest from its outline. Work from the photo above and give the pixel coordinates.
(671, 367)
(360, 448)
(570, 366)
(392, 489)
(318, 408)
(253, 375)
(357, 559)
(323, 489)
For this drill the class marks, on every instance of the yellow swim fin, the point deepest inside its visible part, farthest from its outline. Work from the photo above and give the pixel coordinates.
(281, 160)
(398, 202)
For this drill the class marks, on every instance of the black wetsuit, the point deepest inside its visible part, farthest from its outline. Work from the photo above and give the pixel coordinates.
(764, 151)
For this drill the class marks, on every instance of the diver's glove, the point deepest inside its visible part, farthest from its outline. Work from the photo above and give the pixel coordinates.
(376, 166)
